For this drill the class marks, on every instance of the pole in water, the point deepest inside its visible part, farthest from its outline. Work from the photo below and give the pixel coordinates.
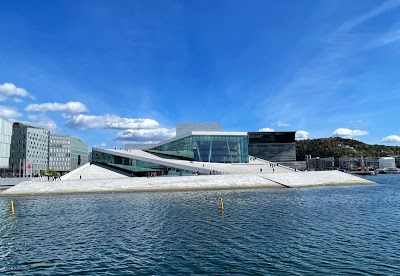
(12, 206)
(221, 203)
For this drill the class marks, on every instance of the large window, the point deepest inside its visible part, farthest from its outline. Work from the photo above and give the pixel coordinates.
(208, 148)
(126, 163)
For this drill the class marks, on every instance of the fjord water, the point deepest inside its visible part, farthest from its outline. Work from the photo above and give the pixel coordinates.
(318, 231)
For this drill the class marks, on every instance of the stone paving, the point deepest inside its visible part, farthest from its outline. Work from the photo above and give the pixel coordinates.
(317, 178)
(92, 171)
(186, 183)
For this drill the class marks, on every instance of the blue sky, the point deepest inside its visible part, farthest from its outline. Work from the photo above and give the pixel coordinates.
(113, 72)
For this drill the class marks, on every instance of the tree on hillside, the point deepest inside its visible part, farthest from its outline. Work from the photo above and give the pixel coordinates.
(339, 147)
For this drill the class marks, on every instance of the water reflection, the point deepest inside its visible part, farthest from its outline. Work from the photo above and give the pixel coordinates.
(321, 231)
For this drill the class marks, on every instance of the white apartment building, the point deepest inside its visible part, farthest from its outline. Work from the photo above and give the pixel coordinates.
(387, 163)
(5, 142)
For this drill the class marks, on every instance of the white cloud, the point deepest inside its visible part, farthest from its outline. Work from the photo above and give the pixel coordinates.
(383, 8)
(302, 135)
(348, 133)
(17, 100)
(266, 129)
(281, 124)
(9, 89)
(387, 38)
(10, 113)
(70, 107)
(110, 121)
(145, 135)
(42, 121)
(391, 139)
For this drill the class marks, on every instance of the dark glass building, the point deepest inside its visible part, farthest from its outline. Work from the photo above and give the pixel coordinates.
(273, 146)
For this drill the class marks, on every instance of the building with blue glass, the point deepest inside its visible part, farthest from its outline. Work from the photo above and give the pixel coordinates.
(163, 158)
(206, 146)
(191, 152)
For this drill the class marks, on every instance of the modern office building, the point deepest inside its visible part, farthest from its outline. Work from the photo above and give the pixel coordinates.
(66, 153)
(350, 163)
(184, 128)
(29, 150)
(359, 163)
(273, 146)
(5, 142)
(370, 163)
(321, 163)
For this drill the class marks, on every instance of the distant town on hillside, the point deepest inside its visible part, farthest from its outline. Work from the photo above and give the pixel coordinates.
(337, 147)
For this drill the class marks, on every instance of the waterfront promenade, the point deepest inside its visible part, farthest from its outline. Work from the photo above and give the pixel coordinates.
(95, 179)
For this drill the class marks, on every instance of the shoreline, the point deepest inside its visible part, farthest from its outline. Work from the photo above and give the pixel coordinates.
(147, 190)
(4, 188)
(186, 183)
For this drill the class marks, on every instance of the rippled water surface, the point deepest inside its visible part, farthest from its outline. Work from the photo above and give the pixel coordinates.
(325, 231)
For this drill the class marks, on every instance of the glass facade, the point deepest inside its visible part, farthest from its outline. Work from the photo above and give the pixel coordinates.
(124, 162)
(34, 150)
(29, 150)
(208, 148)
(273, 146)
(203, 148)
(227, 147)
(136, 167)
(59, 153)
(274, 152)
(79, 153)
(66, 153)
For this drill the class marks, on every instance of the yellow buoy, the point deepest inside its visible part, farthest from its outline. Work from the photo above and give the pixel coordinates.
(221, 203)
(12, 206)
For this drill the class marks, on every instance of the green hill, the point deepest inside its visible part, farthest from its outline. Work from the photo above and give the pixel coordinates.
(339, 147)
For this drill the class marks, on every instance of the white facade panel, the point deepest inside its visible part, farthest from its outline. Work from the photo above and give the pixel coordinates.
(183, 128)
(387, 162)
(5, 142)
